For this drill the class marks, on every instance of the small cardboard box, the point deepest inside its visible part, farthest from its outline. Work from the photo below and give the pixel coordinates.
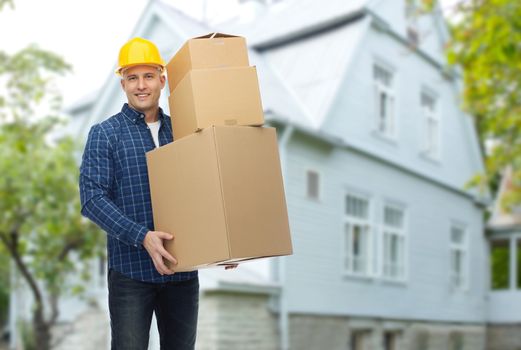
(206, 97)
(215, 50)
(220, 193)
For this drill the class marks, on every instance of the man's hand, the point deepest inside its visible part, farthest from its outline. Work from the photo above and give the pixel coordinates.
(153, 243)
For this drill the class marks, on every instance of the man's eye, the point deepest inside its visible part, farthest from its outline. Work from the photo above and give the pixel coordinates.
(150, 76)
(131, 78)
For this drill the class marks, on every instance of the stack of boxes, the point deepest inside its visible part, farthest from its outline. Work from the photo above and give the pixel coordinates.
(218, 187)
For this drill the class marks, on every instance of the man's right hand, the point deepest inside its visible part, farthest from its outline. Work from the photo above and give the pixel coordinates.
(153, 243)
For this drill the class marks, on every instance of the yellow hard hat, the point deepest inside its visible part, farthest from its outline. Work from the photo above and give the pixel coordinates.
(139, 51)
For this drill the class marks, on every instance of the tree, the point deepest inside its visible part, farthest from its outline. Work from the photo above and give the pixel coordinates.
(486, 45)
(40, 222)
(4, 3)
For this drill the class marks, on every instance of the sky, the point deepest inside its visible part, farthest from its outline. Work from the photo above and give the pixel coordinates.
(88, 34)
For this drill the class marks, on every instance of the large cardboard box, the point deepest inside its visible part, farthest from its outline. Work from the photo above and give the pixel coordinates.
(206, 97)
(215, 50)
(220, 192)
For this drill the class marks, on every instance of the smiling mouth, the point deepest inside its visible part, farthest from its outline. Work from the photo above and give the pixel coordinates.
(140, 96)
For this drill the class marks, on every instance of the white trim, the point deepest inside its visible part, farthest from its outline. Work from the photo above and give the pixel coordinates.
(427, 117)
(387, 230)
(463, 248)
(368, 233)
(390, 131)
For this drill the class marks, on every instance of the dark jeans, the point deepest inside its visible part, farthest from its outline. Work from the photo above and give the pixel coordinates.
(132, 303)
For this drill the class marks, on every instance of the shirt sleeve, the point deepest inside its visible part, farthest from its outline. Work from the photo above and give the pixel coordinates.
(96, 179)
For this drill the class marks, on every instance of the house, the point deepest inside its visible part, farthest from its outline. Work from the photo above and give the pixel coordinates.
(504, 299)
(389, 247)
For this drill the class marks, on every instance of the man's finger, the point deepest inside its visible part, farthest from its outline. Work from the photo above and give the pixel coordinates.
(163, 270)
(164, 235)
(167, 255)
(160, 265)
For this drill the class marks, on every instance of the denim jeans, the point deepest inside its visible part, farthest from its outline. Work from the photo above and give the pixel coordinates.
(131, 304)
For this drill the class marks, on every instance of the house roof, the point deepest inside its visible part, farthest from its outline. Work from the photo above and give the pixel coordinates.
(503, 219)
(293, 18)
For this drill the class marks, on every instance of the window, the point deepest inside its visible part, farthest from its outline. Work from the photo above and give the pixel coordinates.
(430, 117)
(458, 257)
(500, 264)
(312, 180)
(384, 101)
(357, 235)
(456, 341)
(360, 340)
(420, 340)
(412, 12)
(391, 339)
(393, 243)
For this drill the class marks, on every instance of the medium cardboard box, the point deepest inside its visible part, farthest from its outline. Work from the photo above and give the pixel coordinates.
(221, 96)
(215, 50)
(220, 192)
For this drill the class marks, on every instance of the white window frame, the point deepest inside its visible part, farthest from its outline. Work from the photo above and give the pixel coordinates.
(513, 248)
(360, 339)
(319, 184)
(349, 261)
(432, 126)
(459, 282)
(389, 231)
(412, 12)
(386, 125)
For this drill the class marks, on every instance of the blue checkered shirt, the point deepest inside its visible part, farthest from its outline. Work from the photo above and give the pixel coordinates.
(115, 193)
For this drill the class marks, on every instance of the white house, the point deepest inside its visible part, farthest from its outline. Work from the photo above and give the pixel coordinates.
(390, 250)
(504, 299)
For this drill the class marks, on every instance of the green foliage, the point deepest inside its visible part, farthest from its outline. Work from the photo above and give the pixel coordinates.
(486, 45)
(29, 76)
(27, 335)
(500, 265)
(38, 189)
(4, 288)
(41, 228)
(4, 3)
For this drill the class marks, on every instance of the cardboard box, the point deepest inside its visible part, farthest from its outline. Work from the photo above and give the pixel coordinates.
(215, 50)
(206, 97)
(220, 192)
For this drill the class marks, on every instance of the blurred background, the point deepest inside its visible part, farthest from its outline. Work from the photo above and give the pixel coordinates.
(399, 135)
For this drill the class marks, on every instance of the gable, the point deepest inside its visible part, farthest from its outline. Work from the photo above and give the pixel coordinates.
(293, 18)
(353, 117)
(430, 27)
(313, 66)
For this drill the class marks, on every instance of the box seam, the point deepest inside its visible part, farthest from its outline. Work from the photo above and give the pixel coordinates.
(216, 147)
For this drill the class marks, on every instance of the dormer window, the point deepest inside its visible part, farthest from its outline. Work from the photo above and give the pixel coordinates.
(412, 12)
(384, 101)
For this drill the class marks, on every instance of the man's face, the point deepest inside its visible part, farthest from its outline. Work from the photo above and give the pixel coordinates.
(143, 85)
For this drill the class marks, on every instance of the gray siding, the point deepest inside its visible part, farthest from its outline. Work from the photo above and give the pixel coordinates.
(352, 116)
(315, 279)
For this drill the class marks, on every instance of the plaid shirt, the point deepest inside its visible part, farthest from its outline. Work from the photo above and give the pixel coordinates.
(115, 193)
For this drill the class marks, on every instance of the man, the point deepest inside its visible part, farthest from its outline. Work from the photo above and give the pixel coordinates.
(115, 195)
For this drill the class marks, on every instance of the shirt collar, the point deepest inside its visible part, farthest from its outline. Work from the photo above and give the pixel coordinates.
(136, 116)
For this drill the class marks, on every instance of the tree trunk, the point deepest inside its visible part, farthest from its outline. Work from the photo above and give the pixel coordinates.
(41, 329)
